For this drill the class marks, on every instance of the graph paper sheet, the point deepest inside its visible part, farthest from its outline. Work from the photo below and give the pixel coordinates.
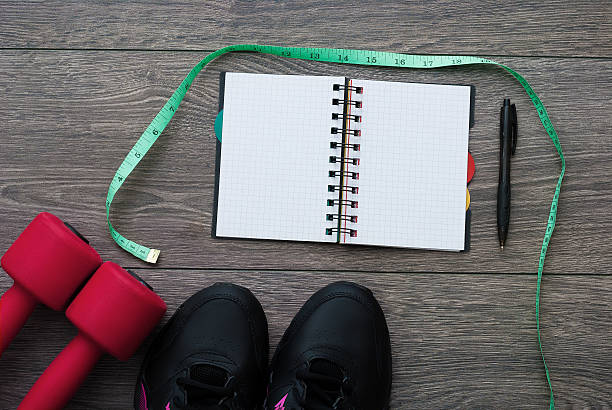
(275, 165)
(413, 166)
(275, 161)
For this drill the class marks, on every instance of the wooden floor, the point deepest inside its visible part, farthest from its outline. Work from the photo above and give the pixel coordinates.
(81, 80)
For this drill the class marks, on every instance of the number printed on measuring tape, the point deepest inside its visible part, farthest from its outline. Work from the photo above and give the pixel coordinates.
(342, 56)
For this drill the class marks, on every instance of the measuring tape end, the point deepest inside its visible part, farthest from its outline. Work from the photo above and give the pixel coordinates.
(153, 255)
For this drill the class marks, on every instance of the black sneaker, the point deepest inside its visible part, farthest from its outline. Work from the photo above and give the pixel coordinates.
(212, 354)
(336, 354)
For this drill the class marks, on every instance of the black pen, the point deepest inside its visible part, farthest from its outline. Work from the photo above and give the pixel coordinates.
(507, 138)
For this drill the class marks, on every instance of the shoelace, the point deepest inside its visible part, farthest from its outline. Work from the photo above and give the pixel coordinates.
(323, 391)
(212, 396)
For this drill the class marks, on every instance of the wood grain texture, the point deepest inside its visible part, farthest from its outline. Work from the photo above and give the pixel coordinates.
(458, 341)
(74, 115)
(74, 107)
(543, 28)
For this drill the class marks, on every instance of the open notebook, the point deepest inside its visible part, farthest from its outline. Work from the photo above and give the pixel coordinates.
(331, 159)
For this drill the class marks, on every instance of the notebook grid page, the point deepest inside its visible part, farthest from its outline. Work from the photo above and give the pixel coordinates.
(413, 166)
(275, 150)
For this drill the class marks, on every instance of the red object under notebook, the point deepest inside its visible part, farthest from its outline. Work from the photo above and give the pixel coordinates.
(48, 262)
(114, 313)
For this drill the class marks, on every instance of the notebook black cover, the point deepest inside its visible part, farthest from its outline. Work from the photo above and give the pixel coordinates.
(218, 158)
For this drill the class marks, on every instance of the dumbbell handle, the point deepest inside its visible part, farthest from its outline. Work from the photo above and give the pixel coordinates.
(15, 307)
(54, 389)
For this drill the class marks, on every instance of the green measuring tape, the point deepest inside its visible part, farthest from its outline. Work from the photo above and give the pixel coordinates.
(330, 55)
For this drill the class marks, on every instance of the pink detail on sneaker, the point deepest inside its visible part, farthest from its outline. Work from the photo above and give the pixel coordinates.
(281, 404)
(168, 406)
(142, 399)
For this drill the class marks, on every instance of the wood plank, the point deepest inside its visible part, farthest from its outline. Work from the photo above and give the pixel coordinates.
(458, 340)
(74, 115)
(544, 28)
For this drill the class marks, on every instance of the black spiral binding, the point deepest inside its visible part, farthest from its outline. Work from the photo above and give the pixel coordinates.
(348, 160)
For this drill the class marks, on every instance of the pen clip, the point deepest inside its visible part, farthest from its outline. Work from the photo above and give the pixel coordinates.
(514, 127)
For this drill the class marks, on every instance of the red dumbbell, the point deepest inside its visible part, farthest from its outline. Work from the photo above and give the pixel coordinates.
(48, 262)
(114, 313)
